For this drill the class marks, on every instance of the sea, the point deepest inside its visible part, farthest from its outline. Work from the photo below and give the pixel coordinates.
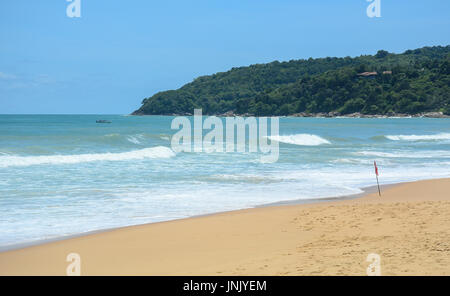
(63, 175)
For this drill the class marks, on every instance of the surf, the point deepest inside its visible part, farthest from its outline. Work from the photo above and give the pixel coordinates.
(300, 139)
(147, 153)
(435, 137)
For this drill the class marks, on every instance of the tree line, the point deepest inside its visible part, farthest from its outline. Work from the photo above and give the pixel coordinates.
(411, 82)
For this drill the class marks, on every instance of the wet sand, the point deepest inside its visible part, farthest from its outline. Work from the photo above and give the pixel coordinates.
(409, 227)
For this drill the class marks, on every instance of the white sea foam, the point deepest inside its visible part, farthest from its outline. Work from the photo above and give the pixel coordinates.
(154, 152)
(407, 154)
(135, 139)
(436, 137)
(350, 161)
(300, 139)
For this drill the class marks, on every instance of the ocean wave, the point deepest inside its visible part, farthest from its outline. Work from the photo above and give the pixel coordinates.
(300, 139)
(350, 161)
(242, 178)
(407, 154)
(378, 138)
(115, 135)
(154, 152)
(136, 139)
(436, 137)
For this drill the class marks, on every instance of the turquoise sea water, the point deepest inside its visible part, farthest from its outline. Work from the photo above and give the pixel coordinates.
(66, 174)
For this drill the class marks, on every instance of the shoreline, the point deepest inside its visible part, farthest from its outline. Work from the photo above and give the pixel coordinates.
(310, 201)
(408, 227)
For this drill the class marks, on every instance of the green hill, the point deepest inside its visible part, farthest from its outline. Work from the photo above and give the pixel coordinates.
(412, 82)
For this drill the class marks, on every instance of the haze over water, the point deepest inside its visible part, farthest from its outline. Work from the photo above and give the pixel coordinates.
(66, 174)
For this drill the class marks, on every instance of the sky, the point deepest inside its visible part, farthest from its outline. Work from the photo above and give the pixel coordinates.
(119, 52)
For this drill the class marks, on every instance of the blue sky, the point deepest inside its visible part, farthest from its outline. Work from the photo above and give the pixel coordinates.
(119, 52)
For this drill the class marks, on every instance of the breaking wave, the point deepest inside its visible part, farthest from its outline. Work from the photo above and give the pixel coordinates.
(154, 152)
(135, 139)
(441, 136)
(300, 139)
(407, 154)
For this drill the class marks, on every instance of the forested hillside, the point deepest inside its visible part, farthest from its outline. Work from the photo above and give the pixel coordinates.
(386, 83)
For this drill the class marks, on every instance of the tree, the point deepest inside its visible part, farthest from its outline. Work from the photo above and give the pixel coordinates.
(381, 54)
(420, 81)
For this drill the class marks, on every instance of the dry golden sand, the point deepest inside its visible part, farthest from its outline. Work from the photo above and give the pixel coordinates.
(409, 227)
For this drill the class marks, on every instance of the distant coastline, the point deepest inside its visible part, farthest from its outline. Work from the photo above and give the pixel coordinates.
(413, 83)
(319, 115)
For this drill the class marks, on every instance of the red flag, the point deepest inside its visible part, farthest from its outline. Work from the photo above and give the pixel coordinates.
(376, 168)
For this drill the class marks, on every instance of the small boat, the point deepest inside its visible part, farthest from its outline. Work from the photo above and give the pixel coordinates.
(102, 121)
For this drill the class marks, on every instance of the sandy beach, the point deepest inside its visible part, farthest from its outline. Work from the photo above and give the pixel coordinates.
(409, 227)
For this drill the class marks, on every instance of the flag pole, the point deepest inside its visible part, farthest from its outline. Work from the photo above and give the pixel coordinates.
(376, 174)
(378, 183)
